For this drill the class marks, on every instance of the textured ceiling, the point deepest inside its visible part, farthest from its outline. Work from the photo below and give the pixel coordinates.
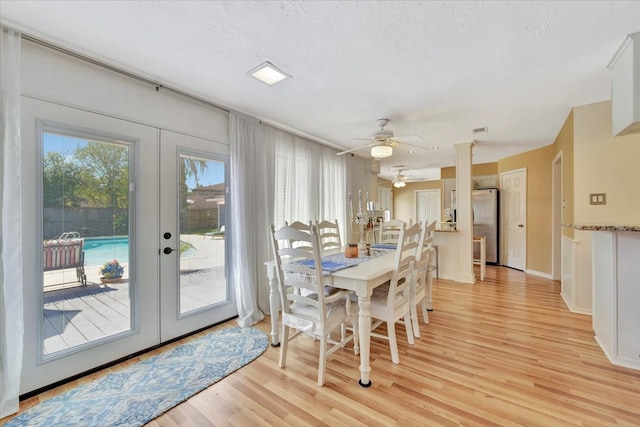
(435, 69)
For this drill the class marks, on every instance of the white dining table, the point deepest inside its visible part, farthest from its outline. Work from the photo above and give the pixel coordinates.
(361, 279)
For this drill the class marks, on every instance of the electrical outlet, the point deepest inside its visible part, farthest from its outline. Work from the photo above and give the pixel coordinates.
(598, 199)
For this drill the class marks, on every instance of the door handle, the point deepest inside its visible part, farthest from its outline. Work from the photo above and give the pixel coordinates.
(168, 250)
(520, 225)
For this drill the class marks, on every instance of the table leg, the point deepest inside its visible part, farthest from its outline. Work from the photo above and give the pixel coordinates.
(364, 331)
(483, 258)
(429, 289)
(274, 305)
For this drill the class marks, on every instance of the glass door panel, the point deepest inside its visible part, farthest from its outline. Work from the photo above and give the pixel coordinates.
(85, 201)
(202, 232)
(194, 289)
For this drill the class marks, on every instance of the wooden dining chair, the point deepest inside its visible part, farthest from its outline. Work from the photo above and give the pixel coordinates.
(298, 225)
(433, 265)
(389, 231)
(329, 235)
(306, 304)
(421, 285)
(391, 302)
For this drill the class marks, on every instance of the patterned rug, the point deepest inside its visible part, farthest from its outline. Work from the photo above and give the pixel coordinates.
(141, 392)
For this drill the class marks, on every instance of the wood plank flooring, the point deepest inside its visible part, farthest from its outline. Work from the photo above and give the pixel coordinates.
(502, 352)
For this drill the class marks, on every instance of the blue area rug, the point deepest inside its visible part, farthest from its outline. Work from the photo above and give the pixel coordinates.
(141, 392)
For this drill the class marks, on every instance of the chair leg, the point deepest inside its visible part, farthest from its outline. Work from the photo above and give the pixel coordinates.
(393, 342)
(322, 360)
(407, 325)
(284, 343)
(414, 320)
(425, 312)
(429, 290)
(356, 337)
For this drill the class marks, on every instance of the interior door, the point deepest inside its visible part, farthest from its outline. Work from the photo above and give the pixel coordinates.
(193, 238)
(513, 186)
(428, 205)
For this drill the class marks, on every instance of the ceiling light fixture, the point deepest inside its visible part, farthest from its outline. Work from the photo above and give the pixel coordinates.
(381, 151)
(399, 184)
(268, 73)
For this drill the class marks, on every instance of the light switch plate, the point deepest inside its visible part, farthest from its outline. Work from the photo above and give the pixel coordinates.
(598, 199)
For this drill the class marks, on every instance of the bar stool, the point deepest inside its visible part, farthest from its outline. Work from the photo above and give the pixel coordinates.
(482, 262)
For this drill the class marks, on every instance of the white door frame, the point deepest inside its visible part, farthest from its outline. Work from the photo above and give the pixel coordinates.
(557, 207)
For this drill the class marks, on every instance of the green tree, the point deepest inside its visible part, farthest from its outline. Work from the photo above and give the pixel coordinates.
(61, 181)
(107, 167)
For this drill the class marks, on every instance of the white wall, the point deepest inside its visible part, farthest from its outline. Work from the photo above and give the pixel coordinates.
(56, 77)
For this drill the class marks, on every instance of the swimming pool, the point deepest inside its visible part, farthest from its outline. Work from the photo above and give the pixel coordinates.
(98, 250)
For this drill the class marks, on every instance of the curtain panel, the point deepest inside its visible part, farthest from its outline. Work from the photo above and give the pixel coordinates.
(275, 177)
(11, 307)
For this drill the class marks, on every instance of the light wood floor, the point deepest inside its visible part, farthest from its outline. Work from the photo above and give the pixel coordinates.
(502, 352)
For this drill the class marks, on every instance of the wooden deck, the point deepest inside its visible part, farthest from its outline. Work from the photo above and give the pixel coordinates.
(76, 315)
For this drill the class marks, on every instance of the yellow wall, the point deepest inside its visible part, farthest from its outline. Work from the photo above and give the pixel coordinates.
(404, 198)
(605, 164)
(539, 196)
(480, 169)
(564, 144)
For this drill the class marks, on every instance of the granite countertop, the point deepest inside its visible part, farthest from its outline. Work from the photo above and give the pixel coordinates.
(603, 227)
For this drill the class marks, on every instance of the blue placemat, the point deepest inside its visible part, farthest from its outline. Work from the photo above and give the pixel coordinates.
(384, 246)
(334, 262)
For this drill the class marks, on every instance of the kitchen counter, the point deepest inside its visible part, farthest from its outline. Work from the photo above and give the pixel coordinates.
(616, 294)
(603, 227)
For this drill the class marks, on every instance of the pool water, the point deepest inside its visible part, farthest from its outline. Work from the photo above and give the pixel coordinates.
(99, 250)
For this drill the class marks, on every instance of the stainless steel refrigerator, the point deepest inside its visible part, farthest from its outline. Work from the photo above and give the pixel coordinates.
(485, 222)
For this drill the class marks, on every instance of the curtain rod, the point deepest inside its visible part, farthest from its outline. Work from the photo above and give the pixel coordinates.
(159, 86)
(120, 71)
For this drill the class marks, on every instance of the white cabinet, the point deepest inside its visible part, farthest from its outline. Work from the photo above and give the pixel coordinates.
(616, 295)
(625, 87)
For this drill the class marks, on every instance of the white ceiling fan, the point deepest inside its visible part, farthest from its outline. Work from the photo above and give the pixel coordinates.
(383, 142)
(399, 180)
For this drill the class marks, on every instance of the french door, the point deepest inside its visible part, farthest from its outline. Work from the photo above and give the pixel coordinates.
(107, 197)
(193, 240)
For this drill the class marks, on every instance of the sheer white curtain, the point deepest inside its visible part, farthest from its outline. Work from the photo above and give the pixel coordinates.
(252, 177)
(310, 181)
(11, 316)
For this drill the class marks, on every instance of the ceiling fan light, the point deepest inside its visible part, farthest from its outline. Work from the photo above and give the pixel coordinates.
(399, 184)
(381, 151)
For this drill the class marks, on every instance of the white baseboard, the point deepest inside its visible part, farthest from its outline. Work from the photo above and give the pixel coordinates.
(540, 274)
(626, 363)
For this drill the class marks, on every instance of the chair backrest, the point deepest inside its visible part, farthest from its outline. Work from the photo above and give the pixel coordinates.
(430, 229)
(403, 266)
(302, 227)
(329, 233)
(423, 253)
(299, 283)
(390, 231)
(60, 254)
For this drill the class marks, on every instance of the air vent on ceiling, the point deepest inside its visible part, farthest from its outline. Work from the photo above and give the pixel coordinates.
(480, 130)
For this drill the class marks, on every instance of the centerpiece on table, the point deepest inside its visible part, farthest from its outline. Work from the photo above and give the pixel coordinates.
(111, 272)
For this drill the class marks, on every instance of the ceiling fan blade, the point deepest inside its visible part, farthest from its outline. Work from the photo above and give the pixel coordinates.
(354, 149)
(407, 138)
(411, 146)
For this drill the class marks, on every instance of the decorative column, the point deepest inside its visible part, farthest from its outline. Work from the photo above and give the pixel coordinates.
(464, 213)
